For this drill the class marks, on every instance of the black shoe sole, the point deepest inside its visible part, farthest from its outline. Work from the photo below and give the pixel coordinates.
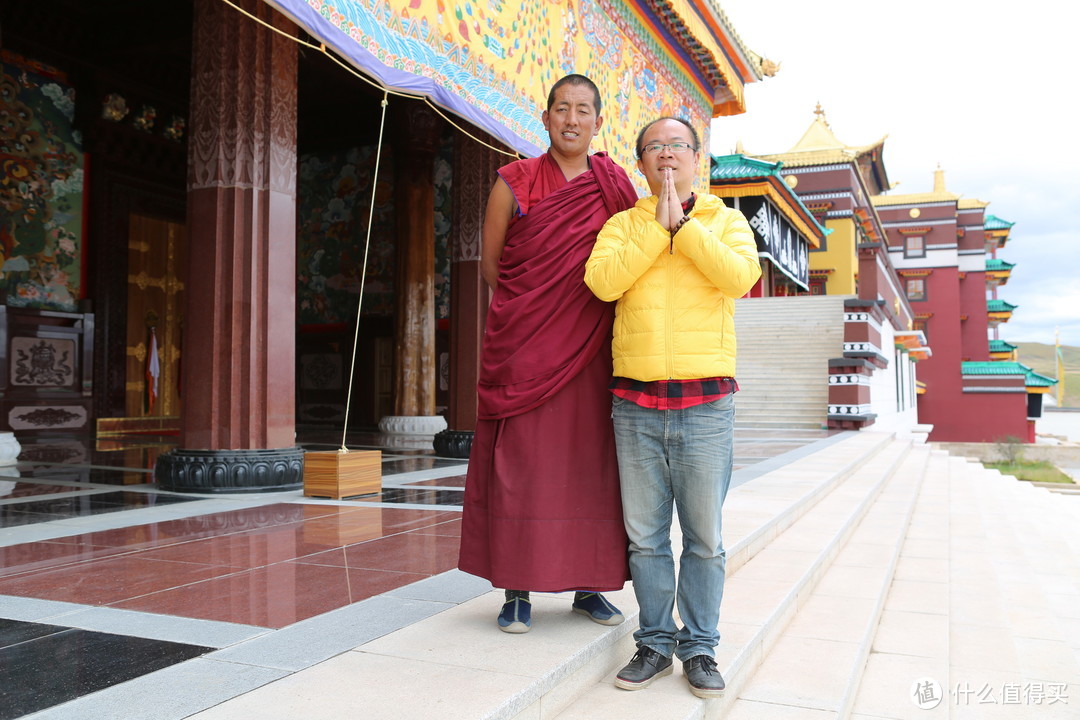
(707, 693)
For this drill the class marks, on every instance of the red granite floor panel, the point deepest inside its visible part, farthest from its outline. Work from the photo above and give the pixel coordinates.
(268, 566)
(272, 596)
(450, 528)
(413, 552)
(30, 557)
(105, 581)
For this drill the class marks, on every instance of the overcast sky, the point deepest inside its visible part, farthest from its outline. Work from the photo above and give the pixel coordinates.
(986, 89)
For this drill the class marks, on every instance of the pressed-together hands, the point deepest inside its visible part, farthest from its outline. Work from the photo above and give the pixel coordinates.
(668, 209)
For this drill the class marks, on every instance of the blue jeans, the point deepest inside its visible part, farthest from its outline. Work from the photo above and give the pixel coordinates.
(682, 457)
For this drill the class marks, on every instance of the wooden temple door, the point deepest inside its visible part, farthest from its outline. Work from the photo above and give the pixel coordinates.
(157, 254)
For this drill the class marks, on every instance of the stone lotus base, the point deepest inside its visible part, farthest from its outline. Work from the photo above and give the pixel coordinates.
(9, 448)
(412, 424)
(230, 471)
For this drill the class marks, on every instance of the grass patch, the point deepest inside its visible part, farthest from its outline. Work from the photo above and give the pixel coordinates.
(1041, 471)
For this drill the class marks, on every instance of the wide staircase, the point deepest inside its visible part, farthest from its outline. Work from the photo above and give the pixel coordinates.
(867, 577)
(784, 348)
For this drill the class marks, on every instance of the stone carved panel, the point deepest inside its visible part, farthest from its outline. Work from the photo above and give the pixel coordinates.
(42, 362)
(46, 417)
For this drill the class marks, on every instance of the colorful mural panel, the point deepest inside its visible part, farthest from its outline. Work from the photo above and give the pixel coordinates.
(41, 187)
(444, 215)
(333, 198)
(492, 62)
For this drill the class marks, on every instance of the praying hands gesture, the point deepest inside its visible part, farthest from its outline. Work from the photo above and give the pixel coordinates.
(668, 209)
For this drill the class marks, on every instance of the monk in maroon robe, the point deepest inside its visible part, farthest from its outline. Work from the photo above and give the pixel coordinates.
(542, 507)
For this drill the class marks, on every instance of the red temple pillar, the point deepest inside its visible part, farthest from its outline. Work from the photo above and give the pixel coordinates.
(475, 169)
(239, 345)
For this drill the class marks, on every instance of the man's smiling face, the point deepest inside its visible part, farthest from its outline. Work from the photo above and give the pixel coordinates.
(572, 122)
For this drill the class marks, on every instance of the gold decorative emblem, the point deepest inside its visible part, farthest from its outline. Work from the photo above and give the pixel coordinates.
(914, 212)
(791, 180)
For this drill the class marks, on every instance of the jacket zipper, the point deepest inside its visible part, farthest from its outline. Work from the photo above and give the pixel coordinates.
(669, 319)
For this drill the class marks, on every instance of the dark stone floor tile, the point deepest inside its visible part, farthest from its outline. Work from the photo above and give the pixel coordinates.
(423, 496)
(60, 666)
(40, 510)
(13, 632)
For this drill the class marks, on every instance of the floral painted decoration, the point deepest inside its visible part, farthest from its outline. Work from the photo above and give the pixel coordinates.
(114, 108)
(175, 129)
(145, 119)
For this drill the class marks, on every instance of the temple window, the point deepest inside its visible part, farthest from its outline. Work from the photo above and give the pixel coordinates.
(915, 288)
(914, 247)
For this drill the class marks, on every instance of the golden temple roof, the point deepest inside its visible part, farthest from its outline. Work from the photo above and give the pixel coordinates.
(820, 146)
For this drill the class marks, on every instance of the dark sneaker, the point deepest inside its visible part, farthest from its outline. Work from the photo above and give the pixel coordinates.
(596, 607)
(705, 680)
(516, 615)
(643, 668)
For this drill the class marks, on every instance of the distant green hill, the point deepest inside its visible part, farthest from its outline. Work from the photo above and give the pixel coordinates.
(1041, 358)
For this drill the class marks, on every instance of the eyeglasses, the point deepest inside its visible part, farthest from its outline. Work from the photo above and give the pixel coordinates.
(675, 147)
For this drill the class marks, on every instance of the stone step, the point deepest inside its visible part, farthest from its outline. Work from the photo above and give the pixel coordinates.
(748, 423)
(762, 592)
(457, 665)
(1000, 552)
(911, 638)
(818, 661)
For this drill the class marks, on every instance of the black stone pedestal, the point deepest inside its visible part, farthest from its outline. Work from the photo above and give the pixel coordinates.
(230, 471)
(453, 443)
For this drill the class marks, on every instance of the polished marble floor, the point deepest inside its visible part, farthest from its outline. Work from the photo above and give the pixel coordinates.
(107, 578)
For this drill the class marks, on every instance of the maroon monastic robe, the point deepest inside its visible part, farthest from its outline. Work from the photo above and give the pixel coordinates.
(542, 509)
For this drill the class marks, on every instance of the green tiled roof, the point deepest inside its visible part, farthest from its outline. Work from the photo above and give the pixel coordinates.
(993, 222)
(741, 167)
(999, 306)
(995, 264)
(998, 346)
(1031, 378)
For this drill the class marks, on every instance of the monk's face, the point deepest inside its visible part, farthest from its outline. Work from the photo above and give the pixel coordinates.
(681, 162)
(572, 122)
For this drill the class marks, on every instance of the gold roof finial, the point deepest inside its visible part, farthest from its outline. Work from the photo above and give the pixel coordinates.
(739, 149)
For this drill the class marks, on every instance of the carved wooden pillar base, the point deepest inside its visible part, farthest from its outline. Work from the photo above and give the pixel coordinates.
(230, 471)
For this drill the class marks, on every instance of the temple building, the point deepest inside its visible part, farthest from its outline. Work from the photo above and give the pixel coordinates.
(944, 246)
(871, 376)
(196, 191)
(784, 228)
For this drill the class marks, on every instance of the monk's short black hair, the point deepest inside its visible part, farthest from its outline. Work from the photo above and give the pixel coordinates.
(641, 135)
(575, 79)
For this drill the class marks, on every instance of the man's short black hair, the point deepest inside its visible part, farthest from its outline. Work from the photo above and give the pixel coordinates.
(641, 135)
(575, 79)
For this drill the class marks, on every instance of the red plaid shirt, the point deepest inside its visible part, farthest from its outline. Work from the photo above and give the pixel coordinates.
(672, 394)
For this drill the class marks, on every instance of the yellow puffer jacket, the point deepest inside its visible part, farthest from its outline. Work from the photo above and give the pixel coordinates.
(675, 316)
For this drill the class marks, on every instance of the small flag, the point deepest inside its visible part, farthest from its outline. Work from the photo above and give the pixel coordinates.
(153, 370)
(1060, 370)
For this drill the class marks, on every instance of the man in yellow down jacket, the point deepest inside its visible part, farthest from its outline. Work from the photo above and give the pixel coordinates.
(675, 263)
